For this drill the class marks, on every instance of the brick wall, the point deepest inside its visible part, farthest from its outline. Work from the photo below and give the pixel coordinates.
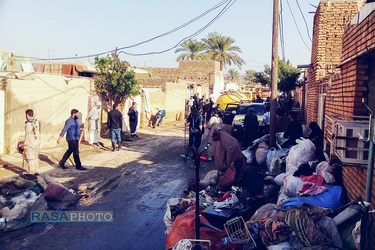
(330, 21)
(354, 180)
(345, 93)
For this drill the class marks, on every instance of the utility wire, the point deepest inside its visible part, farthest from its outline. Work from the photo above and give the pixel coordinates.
(297, 26)
(304, 19)
(281, 27)
(140, 43)
(188, 37)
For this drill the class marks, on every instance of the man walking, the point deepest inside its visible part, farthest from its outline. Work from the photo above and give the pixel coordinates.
(133, 119)
(73, 133)
(93, 125)
(32, 142)
(114, 124)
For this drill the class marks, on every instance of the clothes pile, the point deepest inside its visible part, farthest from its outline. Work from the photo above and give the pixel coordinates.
(286, 197)
(22, 194)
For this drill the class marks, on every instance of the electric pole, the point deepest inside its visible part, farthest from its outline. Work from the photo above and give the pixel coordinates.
(274, 73)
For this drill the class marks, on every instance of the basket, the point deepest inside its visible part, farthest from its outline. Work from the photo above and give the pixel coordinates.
(237, 230)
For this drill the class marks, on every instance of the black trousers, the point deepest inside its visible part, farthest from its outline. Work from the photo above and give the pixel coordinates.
(73, 148)
(194, 139)
(133, 126)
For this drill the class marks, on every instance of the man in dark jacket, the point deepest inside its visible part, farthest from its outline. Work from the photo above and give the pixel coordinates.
(114, 124)
(195, 122)
(293, 132)
(73, 132)
(250, 127)
(133, 119)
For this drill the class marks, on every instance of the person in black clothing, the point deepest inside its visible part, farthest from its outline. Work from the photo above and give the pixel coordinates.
(196, 99)
(133, 119)
(207, 109)
(195, 122)
(317, 136)
(251, 128)
(114, 124)
(219, 111)
(293, 132)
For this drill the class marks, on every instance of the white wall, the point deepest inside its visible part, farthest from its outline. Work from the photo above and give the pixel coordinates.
(51, 98)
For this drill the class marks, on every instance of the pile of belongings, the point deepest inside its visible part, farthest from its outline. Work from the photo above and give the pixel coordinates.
(287, 199)
(21, 194)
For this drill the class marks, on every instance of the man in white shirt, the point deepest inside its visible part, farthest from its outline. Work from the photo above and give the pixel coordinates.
(266, 119)
(93, 125)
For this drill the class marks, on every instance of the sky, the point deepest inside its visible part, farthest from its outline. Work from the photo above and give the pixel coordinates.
(78, 29)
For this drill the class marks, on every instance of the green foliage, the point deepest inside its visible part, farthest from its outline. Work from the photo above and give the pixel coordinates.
(215, 47)
(287, 76)
(221, 49)
(232, 74)
(115, 82)
(193, 50)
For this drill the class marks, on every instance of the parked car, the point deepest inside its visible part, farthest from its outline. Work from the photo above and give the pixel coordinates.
(239, 118)
(230, 112)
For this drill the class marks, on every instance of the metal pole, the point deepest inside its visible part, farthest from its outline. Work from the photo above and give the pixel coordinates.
(370, 174)
(274, 73)
(197, 218)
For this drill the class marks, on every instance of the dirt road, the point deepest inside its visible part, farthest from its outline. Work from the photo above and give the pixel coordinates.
(135, 183)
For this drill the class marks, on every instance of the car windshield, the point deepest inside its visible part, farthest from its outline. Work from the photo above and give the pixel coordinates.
(258, 109)
(231, 108)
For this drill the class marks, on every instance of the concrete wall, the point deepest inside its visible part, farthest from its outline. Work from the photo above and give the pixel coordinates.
(204, 75)
(51, 98)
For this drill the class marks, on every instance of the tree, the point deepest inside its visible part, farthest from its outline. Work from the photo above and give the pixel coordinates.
(115, 81)
(232, 75)
(287, 76)
(221, 49)
(193, 50)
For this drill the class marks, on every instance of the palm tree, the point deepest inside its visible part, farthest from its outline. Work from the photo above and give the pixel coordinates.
(250, 75)
(194, 50)
(232, 75)
(220, 48)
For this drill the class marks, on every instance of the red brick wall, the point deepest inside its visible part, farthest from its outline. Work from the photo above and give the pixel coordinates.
(345, 93)
(330, 21)
(354, 180)
(359, 38)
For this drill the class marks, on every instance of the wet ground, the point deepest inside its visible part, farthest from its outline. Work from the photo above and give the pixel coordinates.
(147, 173)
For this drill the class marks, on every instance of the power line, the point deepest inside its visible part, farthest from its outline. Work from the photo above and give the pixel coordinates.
(226, 7)
(303, 16)
(297, 26)
(140, 43)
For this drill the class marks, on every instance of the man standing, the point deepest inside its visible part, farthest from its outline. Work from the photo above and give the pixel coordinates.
(266, 119)
(133, 119)
(73, 133)
(195, 122)
(189, 103)
(250, 127)
(93, 125)
(32, 142)
(115, 125)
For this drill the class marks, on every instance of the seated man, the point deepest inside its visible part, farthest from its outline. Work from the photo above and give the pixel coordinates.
(293, 132)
